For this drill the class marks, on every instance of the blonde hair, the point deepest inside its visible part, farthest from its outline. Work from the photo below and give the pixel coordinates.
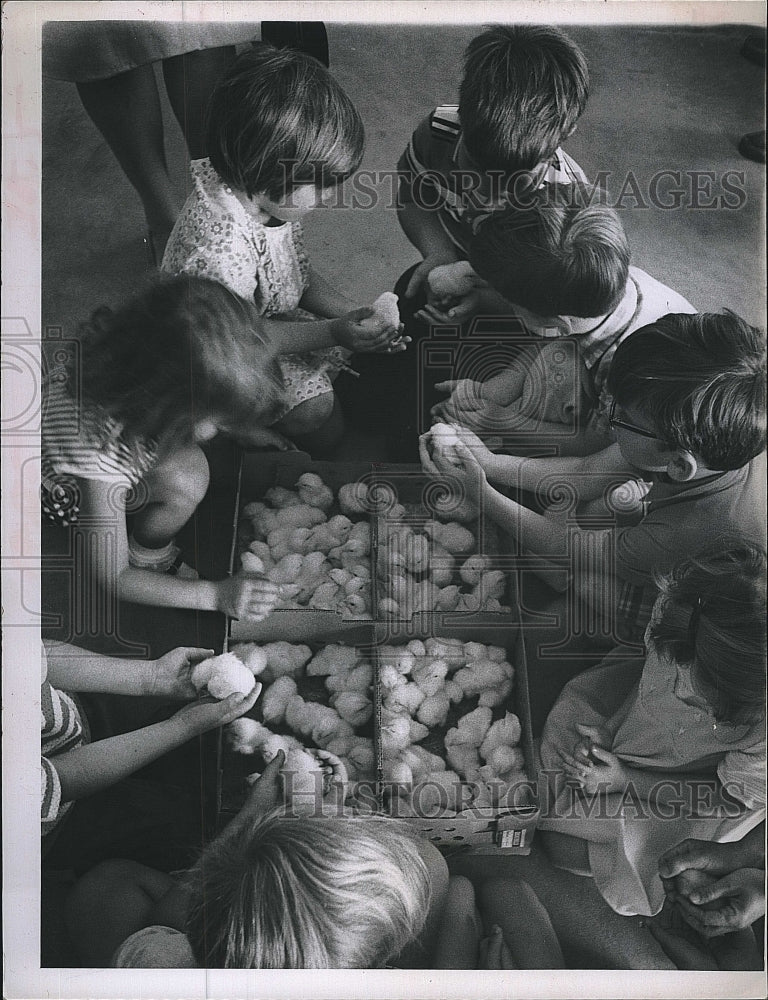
(308, 893)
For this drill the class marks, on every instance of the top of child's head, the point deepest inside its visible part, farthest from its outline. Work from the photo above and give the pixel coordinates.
(523, 90)
(278, 120)
(698, 381)
(558, 251)
(182, 359)
(308, 893)
(710, 615)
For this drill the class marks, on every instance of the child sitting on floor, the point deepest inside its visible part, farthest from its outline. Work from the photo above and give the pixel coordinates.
(122, 432)
(283, 136)
(689, 415)
(649, 738)
(561, 261)
(310, 892)
(75, 766)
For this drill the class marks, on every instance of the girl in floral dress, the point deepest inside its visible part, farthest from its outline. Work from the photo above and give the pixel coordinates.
(283, 137)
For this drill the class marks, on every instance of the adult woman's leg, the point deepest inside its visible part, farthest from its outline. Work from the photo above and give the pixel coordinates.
(189, 80)
(126, 110)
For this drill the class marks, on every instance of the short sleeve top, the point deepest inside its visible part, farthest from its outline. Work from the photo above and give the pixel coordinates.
(215, 237)
(431, 158)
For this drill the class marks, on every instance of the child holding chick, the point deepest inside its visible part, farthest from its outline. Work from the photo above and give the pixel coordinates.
(522, 91)
(656, 733)
(122, 438)
(561, 262)
(283, 137)
(688, 415)
(74, 766)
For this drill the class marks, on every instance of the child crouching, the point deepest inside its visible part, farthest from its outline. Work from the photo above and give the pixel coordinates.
(561, 261)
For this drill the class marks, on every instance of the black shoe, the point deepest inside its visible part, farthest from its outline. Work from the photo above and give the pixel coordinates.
(752, 146)
(754, 49)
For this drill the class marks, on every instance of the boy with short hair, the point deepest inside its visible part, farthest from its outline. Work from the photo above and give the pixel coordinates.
(561, 261)
(522, 92)
(689, 414)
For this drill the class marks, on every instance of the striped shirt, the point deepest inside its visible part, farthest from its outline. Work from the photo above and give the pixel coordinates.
(83, 444)
(431, 176)
(61, 729)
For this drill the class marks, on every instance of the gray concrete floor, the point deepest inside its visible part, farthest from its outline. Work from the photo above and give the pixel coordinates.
(663, 98)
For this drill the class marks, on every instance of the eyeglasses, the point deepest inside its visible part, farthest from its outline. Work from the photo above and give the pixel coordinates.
(615, 422)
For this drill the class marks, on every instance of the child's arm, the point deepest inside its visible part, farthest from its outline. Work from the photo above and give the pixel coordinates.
(296, 337)
(422, 226)
(73, 669)
(240, 596)
(96, 766)
(322, 299)
(543, 536)
(591, 474)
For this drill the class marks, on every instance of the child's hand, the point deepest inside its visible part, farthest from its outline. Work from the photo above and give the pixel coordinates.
(362, 331)
(607, 774)
(470, 473)
(450, 309)
(267, 792)
(247, 596)
(170, 674)
(206, 714)
(494, 953)
(731, 903)
(466, 396)
(592, 736)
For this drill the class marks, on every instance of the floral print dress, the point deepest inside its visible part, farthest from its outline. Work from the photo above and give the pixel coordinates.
(214, 237)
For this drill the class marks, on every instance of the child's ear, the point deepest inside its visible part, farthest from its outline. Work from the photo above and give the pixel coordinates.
(682, 467)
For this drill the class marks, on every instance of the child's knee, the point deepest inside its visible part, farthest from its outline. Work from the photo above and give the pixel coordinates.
(308, 416)
(183, 480)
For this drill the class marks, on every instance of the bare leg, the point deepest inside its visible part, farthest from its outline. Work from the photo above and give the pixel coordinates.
(524, 922)
(189, 80)
(590, 933)
(114, 900)
(316, 425)
(459, 932)
(176, 487)
(126, 110)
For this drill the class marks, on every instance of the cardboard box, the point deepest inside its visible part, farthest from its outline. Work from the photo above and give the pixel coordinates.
(428, 498)
(508, 831)
(258, 473)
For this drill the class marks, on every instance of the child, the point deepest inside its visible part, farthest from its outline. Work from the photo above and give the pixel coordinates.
(522, 92)
(689, 415)
(303, 893)
(523, 89)
(283, 137)
(122, 433)
(695, 714)
(74, 767)
(562, 263)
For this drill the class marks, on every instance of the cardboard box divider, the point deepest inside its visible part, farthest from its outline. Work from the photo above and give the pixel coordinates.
(506, 832)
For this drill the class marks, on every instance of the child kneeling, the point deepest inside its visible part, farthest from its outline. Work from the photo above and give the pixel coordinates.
(561, 261)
